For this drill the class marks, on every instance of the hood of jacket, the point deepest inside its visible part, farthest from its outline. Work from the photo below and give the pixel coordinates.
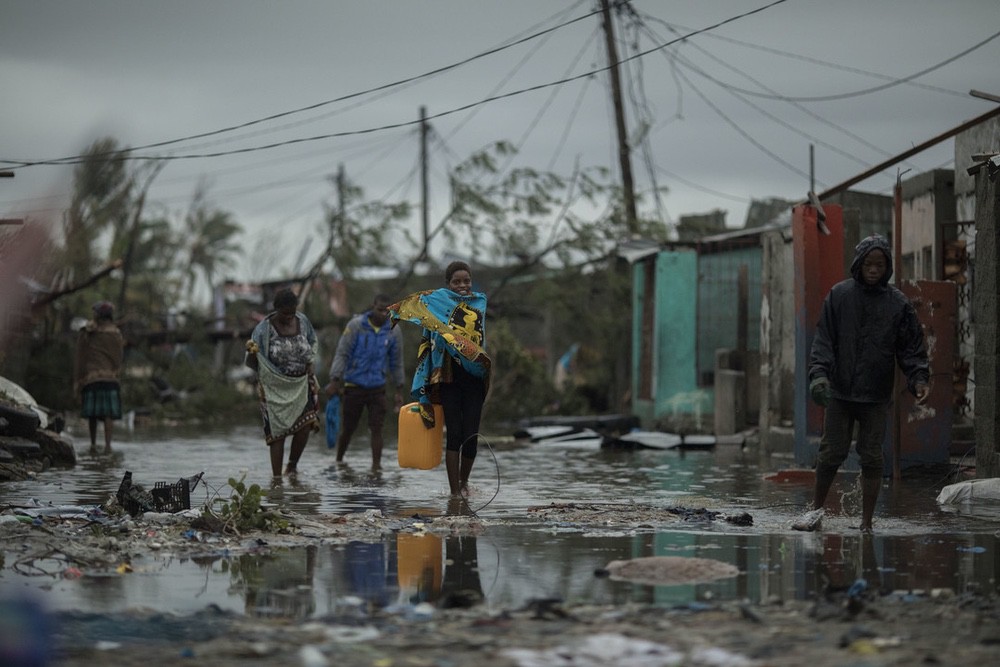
(873, 242)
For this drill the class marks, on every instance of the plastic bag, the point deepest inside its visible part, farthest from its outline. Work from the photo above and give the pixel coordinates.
(332, 421)
(971, 490)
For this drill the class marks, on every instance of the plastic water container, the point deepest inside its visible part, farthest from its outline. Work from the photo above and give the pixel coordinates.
(419, 563)
(419, 446)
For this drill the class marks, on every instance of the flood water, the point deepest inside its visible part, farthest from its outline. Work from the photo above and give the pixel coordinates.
(516, 557)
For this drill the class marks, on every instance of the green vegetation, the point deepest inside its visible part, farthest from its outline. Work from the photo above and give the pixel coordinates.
(551, 272)
(242, 511)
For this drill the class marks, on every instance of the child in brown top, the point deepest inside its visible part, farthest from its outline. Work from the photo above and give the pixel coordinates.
(97, 367)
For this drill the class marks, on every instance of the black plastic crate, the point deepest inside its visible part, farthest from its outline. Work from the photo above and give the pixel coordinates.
(171, 497)
(163, 497)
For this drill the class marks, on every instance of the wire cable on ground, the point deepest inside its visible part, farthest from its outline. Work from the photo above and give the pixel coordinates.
(496, 462)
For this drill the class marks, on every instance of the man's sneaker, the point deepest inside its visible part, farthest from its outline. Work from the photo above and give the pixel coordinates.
(809, 521)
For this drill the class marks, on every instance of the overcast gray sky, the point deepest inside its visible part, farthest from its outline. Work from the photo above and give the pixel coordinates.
(731, 112)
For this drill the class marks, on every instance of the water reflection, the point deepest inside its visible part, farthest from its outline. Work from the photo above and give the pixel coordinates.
(461, 585)
(917, 545)
(278, 584)
(420, 565)
(294, 494)
(448, 580)
(368, 571)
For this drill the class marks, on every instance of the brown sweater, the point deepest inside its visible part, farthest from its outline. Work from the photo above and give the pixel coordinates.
(99, 351)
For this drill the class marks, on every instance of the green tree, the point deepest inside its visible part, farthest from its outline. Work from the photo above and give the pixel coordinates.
(359, 232)
(557, 239)
(102, 190)
(156, 277)
(209, 240)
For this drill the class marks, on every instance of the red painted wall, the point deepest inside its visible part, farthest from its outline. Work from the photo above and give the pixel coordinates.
(819, 265)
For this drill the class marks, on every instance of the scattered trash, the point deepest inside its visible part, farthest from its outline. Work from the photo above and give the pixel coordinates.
(622, 651)
(668, 570)
(856, 633)
(809, 521)
(857, 588)
(600, 649)
(311, 656)
(742, 519)
(348, 634)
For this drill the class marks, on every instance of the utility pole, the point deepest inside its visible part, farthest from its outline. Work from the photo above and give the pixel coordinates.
(337, 223)
(624, 153)
(341, 205)
(9, 221)
(621, 381)
(424, 189)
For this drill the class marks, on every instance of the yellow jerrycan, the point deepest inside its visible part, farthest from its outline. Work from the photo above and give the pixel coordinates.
(419, 446)
(419, 565)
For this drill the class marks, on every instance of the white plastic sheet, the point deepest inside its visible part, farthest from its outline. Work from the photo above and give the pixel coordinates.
(970, 491)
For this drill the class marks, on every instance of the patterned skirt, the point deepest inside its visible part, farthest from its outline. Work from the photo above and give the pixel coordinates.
(309, 417)
(102, 400)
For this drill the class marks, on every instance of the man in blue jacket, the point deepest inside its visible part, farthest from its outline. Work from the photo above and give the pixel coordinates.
(865, 329)
(369, 351)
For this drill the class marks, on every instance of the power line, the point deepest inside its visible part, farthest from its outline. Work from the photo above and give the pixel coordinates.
(577, 105)
(702, 188)
(538, 45)
(637, 94)
(776, 119)
(434, 72)
(874, 89)
(798, 106)
(676, 27)
(746, 135)
(487, 100)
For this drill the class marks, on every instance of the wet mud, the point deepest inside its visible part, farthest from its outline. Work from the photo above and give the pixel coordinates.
(378, 568)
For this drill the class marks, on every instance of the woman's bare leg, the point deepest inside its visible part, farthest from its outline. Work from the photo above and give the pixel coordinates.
(299, 441)
(109, 427)
(277, 451)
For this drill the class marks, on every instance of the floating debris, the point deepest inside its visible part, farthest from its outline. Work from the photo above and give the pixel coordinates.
(668, 570)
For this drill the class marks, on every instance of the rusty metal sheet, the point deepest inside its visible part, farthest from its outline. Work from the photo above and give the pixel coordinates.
(925, 430)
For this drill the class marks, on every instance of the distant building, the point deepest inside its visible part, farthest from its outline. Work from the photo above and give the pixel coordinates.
(697, 225)
(763, 211)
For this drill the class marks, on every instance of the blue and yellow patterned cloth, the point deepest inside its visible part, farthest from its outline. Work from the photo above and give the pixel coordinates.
(454, 327)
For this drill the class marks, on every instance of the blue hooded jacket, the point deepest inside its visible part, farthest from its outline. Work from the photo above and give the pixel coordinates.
(365, 355)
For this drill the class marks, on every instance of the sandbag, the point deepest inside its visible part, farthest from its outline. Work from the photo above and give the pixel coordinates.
(975, 489)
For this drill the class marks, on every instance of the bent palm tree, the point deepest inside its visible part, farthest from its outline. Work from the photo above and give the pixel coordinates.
(210, 240)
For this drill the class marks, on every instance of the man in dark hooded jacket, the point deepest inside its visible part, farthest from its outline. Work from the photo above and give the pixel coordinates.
(865, 328)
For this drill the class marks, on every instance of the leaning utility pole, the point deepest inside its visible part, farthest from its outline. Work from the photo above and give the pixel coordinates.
(424, 189)
(624, 153)
(620, 387)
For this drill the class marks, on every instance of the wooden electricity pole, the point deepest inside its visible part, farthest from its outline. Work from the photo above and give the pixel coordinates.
(424, 189)
(621, 383)
(624, 152)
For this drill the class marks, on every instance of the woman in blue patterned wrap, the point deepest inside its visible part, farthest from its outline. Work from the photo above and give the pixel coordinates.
(453, 368)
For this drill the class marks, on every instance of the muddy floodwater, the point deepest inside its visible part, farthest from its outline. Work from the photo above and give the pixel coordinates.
(547, 518)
